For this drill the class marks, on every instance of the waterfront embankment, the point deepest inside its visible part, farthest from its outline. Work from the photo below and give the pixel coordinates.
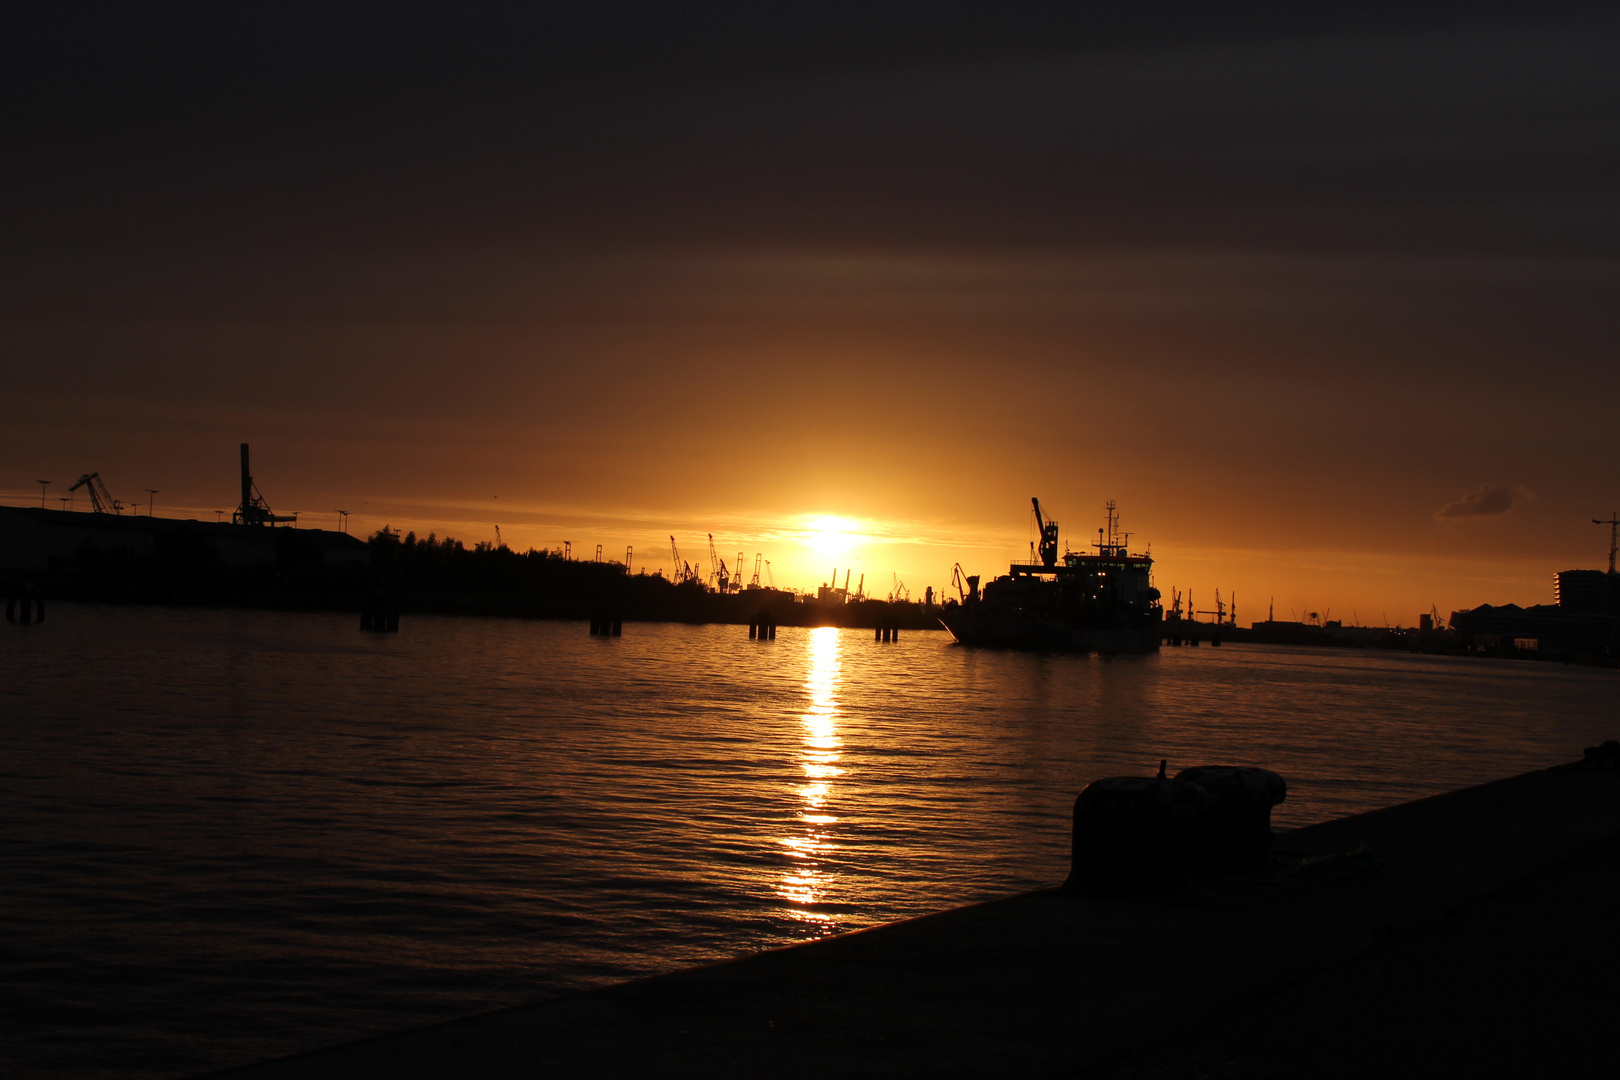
(1463, 950)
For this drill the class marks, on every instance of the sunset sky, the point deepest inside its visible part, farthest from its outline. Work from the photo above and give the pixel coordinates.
(1329, 303)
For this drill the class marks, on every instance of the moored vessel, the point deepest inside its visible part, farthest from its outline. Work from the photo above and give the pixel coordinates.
(1102, 602)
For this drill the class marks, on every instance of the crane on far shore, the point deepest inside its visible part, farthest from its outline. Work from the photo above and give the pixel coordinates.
(1614, 534)
(102, 503)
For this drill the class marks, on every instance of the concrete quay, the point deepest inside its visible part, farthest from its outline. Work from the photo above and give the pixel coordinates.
(1483, 943)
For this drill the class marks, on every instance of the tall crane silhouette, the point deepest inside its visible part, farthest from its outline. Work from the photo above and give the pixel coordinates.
(100, 501)
(1614, 534)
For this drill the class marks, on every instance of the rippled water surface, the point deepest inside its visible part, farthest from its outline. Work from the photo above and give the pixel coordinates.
(231, 835)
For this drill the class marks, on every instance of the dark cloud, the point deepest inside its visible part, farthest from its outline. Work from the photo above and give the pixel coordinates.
(1490, 500)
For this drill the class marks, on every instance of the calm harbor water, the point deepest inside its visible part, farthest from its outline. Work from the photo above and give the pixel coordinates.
(230, 835)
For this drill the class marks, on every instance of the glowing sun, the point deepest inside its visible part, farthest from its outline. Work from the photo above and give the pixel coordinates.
(827, 535)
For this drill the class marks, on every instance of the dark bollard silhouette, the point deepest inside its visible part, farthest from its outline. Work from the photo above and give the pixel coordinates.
(1136, 834)
(1237, 834)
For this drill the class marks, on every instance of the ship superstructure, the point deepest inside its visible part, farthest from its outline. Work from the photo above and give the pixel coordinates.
(1101, 602)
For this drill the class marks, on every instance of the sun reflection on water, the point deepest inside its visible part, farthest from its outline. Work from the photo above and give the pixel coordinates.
(807, 880)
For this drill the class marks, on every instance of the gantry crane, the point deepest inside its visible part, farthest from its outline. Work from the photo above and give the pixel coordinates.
(100, 501)
(758, 558)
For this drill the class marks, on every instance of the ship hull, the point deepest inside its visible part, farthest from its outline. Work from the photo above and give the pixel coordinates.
(1019, 631)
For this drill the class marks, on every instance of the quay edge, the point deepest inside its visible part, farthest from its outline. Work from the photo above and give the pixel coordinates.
(1049, 983)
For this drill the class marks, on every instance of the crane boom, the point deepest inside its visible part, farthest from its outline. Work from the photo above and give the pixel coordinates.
(1049, 535)
(100, 501)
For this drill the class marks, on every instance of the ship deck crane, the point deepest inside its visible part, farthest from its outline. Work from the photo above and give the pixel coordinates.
(100, 501)
(1049, 535)
(965, 584)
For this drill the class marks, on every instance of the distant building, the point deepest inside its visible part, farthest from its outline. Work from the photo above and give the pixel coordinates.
(1587, 591)
(1540, 628)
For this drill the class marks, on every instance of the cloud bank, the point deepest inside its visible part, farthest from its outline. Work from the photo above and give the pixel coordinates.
(1490, 500)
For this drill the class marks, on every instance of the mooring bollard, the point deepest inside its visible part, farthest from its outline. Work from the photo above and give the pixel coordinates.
(1135, 834)
(1237, 834)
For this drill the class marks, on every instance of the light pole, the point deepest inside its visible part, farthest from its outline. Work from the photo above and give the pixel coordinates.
(343, 521)
(219, 516)
(42, 485)
(152, 492)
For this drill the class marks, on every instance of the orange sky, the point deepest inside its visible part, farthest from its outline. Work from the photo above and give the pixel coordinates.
(1285, 293)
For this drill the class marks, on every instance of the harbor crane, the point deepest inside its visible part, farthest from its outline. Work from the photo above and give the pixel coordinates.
(901, 594)
(964, 583)
(254, 510)
(1219, 612)
(100, 501)
(717, 569)
(770, 578)
(1614, 534)
(758, 558)
(737, 577)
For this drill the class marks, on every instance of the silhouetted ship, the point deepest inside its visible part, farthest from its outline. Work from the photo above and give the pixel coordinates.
(1104, 602)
